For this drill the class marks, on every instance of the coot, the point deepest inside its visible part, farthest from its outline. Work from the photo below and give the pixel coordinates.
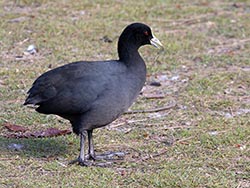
(92, 94)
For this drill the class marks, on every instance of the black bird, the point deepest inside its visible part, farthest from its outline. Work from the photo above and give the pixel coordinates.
(92, 94)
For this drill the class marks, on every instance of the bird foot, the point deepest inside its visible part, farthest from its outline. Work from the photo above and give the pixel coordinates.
(106, 157)
(111, 156)
(81, 162)
(90, 157)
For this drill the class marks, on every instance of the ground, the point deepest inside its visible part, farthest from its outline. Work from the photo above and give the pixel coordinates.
(200, 139)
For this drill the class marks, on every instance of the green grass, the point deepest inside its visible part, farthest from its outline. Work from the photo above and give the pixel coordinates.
(201, 142)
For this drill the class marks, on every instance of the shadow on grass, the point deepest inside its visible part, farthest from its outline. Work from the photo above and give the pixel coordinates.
(34, 147)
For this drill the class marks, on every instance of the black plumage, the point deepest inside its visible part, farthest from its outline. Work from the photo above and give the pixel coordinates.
(92, 94)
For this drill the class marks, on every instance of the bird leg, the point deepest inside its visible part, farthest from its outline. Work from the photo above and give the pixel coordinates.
(81, 159)
(91, 153)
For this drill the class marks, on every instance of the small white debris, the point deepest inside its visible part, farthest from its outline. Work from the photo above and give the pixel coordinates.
(243, 111)
(63, 165)
(183, 107)
(17, 20)
(82, 12)
(31, 49)
(16, 147)
(184, 80)
(213, 133)
(155, 115)
(210, 24)
(162, 78)
(175, 78)
(243, 147)
(228, 115)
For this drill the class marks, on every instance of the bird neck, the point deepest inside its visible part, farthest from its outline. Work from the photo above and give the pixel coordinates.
(128, 51)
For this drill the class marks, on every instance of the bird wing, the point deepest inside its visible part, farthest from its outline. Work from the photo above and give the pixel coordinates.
(69, 89)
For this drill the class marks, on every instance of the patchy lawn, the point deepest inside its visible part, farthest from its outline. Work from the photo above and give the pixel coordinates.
(200, 139)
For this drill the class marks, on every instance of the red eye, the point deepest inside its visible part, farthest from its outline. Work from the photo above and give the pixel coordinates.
(146, 33)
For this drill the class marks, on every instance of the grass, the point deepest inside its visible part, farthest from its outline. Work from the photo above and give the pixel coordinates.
(201, 142)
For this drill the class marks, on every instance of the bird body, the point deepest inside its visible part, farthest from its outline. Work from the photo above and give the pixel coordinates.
(81, 96)
(92, 94)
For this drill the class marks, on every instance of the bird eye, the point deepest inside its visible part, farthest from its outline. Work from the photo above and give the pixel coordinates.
(146, 33)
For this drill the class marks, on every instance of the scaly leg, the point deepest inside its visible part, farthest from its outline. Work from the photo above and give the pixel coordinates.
(91, 153)
(81, 159)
